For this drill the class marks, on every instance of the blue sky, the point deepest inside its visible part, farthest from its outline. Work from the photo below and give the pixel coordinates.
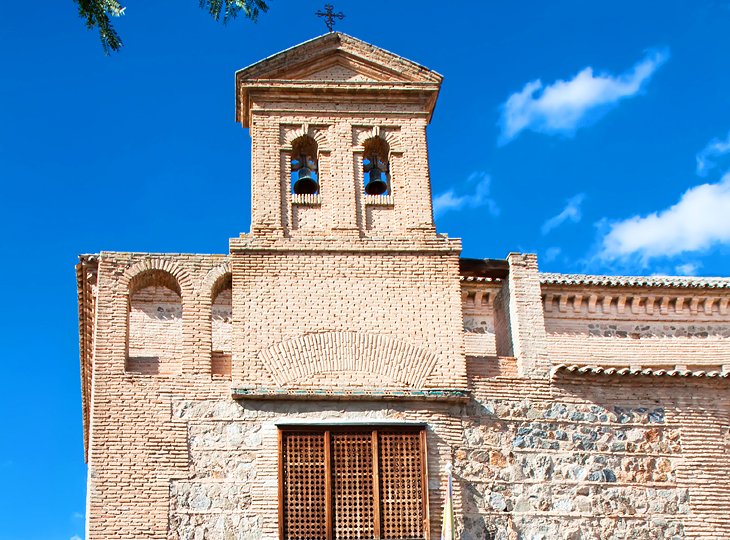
(596, 134)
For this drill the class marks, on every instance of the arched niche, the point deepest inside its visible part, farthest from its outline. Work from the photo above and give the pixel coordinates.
(221, 322)
(154, 324)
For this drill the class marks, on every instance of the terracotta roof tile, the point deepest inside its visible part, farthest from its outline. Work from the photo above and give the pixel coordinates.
(577, 369)
(636, 281)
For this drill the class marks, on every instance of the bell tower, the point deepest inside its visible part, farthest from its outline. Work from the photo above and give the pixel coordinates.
(342, 281)
(339, 141)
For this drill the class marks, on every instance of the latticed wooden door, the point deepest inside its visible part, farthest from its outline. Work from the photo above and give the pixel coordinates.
(340, 483)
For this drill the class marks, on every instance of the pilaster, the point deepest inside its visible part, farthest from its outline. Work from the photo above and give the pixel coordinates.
(526, 322)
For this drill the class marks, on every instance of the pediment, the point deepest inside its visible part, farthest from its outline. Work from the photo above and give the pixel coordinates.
(338, 57)
(339, 63)
(338, 67)
(336, 72)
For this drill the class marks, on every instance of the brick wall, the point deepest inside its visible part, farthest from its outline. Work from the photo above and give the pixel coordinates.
(585, 457)
(401, 310)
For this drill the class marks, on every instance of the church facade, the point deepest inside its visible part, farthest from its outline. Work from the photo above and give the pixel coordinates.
(315, 382)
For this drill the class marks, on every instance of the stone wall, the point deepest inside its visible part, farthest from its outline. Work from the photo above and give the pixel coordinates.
(574, 460)
(231, 491)
(594, 459)
(175, 456)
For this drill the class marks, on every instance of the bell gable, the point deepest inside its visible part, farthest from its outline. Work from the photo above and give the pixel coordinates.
(331, 62)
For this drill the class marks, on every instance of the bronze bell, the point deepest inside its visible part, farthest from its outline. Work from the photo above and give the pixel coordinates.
(306, 184)
(376, 185)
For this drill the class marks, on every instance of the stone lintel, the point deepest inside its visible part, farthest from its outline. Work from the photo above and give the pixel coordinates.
(328, 394)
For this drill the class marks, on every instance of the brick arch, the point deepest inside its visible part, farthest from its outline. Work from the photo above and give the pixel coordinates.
(319, 135)
(391, 137)
(388, 357)
(135, 272)
(211, 284)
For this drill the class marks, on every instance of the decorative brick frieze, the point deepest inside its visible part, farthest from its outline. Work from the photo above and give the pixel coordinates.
(609, 304)
(678, 372)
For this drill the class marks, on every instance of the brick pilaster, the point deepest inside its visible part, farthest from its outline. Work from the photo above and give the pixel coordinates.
(523, 307)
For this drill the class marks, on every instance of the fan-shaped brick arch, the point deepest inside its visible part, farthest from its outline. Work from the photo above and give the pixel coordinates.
(389, 135)
(306, 356)
(392, 138)
(136, 276)
(317, 133)
(215, 280)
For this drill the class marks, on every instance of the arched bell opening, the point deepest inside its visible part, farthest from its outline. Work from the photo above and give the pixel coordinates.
(376, 166)
(304, 166)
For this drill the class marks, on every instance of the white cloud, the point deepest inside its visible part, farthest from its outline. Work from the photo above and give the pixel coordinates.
(699, 221)
(714, 149)
(564, 106)
(687, 269)
(570, 212)
(551, 254)
(479, 184)
(75, 537)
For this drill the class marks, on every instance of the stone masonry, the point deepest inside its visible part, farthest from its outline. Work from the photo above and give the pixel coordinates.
(571, 407)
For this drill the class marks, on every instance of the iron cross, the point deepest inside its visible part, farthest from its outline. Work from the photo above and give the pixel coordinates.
(329, 16)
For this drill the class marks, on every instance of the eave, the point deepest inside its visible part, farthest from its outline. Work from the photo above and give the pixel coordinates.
(684, 282)
(613, 371)
(86, 270)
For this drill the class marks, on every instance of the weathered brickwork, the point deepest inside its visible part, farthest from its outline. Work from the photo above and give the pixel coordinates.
(222, 321)
(650, 327)
(155, 331)
(343, 307)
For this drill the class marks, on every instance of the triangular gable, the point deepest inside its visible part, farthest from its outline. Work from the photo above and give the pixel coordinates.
(341, 66)
(338, 55)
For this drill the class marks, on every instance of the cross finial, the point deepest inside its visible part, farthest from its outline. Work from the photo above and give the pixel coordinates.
(329, 16)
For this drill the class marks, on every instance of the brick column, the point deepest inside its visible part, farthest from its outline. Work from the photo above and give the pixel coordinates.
(523, 307)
